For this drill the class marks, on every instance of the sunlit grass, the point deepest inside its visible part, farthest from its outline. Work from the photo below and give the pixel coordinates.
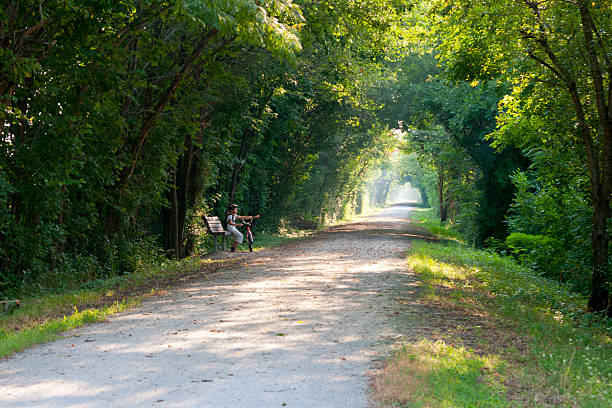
(568, 355)
(425, 217)
(12, 341)
(436, 374)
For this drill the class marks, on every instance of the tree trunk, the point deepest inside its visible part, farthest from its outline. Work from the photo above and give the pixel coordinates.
(184, 193)
(599, 299)
(443, 208)
(112, 222)
(173, 217)
(234, 181)
(172, 241)
(174, 230)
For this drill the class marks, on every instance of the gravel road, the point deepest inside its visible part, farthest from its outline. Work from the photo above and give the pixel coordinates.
(297, 326)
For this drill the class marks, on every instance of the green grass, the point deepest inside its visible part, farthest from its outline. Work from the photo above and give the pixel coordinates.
(549, 354)
(426, 218)
(12, 341)
(457, 378)
(436, 374)
(510, 338)
(42, 318)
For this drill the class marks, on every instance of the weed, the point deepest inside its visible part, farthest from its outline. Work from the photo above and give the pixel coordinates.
(426, 219)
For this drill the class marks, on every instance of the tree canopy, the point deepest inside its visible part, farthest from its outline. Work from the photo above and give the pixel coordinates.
(124, 123)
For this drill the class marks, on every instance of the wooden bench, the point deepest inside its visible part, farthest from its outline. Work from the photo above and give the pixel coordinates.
(7, 305)
(215, 228)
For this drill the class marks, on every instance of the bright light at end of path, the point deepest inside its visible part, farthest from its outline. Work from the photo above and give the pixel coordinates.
(404, 193)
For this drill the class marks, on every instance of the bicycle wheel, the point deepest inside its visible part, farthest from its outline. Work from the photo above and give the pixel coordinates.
(249, 238)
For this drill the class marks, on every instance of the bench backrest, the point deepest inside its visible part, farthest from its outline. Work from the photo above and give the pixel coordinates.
(214, 225)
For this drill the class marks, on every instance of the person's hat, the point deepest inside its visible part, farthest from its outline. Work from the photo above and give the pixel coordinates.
(232, 206)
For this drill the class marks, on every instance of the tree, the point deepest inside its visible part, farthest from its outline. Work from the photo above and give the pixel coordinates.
(450, 122)
(122, 120)
(558, 44)
(94, 121)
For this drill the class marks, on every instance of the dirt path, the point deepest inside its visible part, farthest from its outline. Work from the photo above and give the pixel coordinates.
(299, 326)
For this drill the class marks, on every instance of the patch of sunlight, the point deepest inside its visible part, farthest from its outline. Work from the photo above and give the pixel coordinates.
(428, 373)
(437, 272)
(58, 389)
(563, 353)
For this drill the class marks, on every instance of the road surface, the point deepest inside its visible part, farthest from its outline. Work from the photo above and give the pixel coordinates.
(299, 326)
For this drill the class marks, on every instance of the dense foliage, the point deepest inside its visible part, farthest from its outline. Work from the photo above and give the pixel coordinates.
(528, 149)
(445, 124)
(123, 123)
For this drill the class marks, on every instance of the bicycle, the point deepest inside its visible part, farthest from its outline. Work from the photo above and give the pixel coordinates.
(249, 234)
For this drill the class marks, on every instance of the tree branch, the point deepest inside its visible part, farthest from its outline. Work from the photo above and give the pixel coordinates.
(147, 126)
(545, 64)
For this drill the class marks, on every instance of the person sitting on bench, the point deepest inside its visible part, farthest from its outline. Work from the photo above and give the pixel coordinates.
(231, 216)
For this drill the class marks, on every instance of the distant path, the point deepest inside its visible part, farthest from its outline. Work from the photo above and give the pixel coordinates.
(300, 326)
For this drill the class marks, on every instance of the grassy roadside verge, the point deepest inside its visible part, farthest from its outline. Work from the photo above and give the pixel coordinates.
(43, 318)
(495, 335)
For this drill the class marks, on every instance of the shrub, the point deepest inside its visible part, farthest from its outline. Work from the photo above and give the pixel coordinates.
(544, 254)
